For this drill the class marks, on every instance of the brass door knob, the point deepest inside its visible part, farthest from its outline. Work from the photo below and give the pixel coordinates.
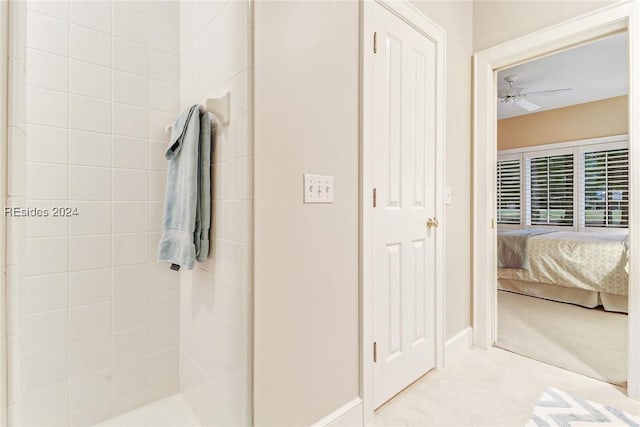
(432, 223)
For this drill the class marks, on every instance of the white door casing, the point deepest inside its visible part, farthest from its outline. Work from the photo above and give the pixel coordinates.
(620, 16)
(405, 168)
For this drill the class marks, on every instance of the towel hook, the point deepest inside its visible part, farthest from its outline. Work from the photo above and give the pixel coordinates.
(219, 107)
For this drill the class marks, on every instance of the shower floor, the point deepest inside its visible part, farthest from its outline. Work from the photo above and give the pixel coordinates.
(172, 411)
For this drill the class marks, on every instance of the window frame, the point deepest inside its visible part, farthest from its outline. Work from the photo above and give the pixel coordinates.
(578, 148)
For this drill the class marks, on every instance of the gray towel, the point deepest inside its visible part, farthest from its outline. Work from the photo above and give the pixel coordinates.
(186, 212)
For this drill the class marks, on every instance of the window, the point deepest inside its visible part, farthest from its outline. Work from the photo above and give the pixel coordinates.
(509, 191)
(606, 188)
(581, 185)
(550, 190)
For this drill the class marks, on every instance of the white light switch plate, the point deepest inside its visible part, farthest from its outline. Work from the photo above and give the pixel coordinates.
(318, 188)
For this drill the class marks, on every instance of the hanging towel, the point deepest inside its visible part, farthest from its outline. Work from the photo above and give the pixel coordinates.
(185, 211)
(203, 210)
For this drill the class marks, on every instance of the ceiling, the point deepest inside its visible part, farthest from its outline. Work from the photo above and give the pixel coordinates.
(594, 71)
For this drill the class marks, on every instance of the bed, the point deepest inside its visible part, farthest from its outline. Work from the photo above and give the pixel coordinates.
(584, 268)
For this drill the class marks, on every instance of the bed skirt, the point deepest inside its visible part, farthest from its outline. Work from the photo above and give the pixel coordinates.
(583, 297)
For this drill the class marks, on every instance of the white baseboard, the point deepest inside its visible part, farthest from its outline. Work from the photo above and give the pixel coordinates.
(457, 344)
(348, 415)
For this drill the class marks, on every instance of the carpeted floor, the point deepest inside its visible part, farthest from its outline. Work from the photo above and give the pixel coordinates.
(591, 342)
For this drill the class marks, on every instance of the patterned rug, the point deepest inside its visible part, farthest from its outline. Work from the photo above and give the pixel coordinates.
(557, 408)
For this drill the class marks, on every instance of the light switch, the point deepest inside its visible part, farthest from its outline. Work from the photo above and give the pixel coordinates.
(447, 195)
(318, 188)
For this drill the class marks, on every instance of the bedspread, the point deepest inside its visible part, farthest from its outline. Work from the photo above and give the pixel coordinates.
(592, 261)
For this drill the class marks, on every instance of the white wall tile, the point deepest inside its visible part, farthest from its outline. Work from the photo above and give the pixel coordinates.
(130, 400)
(130, 345)
(130, 184)
(130, 281)
(92, 218)
(46, 144)
(47, 70)
(130, 217)
(163, 96)
(44, 405)
(53, 224)
(93, 14)
(45, 367)
(164, 336)
(46, 107)
(130, 89)
(163, 366)
(90, 389)
(89, 252)
(89, 183)
(89, 45)
(45, 330)
(58, 9)
(130, 56)
(130, 121)
(89, 79)
(140, 6)
(156, 212)
(162, 37)
(89, 114)
(89, 355)
(130, 249)
(89, 148)
(157, 186)
(47, 33)
(89, 286)
(130, 313)
(238, 220)
(46, 292)
(130, 153)
(46, 181)
(88, 321)
(130, 376)
(130, 24)
(46, 255)
(157, 159)
(157, 122)
(164, 66)
(164, 306)
(162, 278)
(167, 12)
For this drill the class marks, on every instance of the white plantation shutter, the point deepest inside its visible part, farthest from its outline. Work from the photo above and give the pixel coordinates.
(509, 197)
(550, 190)
(606, 188)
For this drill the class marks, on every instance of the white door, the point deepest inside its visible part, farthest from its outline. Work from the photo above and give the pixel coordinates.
(404, 159)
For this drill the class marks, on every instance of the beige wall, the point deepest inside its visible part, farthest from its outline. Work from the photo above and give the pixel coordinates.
(589, 120)
(306, 256)
(496, 22)
(456, 19)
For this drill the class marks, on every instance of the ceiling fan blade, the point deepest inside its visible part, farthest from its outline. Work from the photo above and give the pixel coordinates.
(527, 105)
(548, 91)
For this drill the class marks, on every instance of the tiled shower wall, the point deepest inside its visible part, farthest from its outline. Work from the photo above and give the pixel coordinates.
(216, 297)
(93, 319)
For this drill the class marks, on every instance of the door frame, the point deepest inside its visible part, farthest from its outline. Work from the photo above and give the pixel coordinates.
(414, 17)
(623, 15)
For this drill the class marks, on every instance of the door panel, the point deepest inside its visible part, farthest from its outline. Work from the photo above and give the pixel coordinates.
(404, 157)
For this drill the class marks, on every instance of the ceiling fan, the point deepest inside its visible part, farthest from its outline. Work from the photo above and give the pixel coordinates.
(518, 95)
